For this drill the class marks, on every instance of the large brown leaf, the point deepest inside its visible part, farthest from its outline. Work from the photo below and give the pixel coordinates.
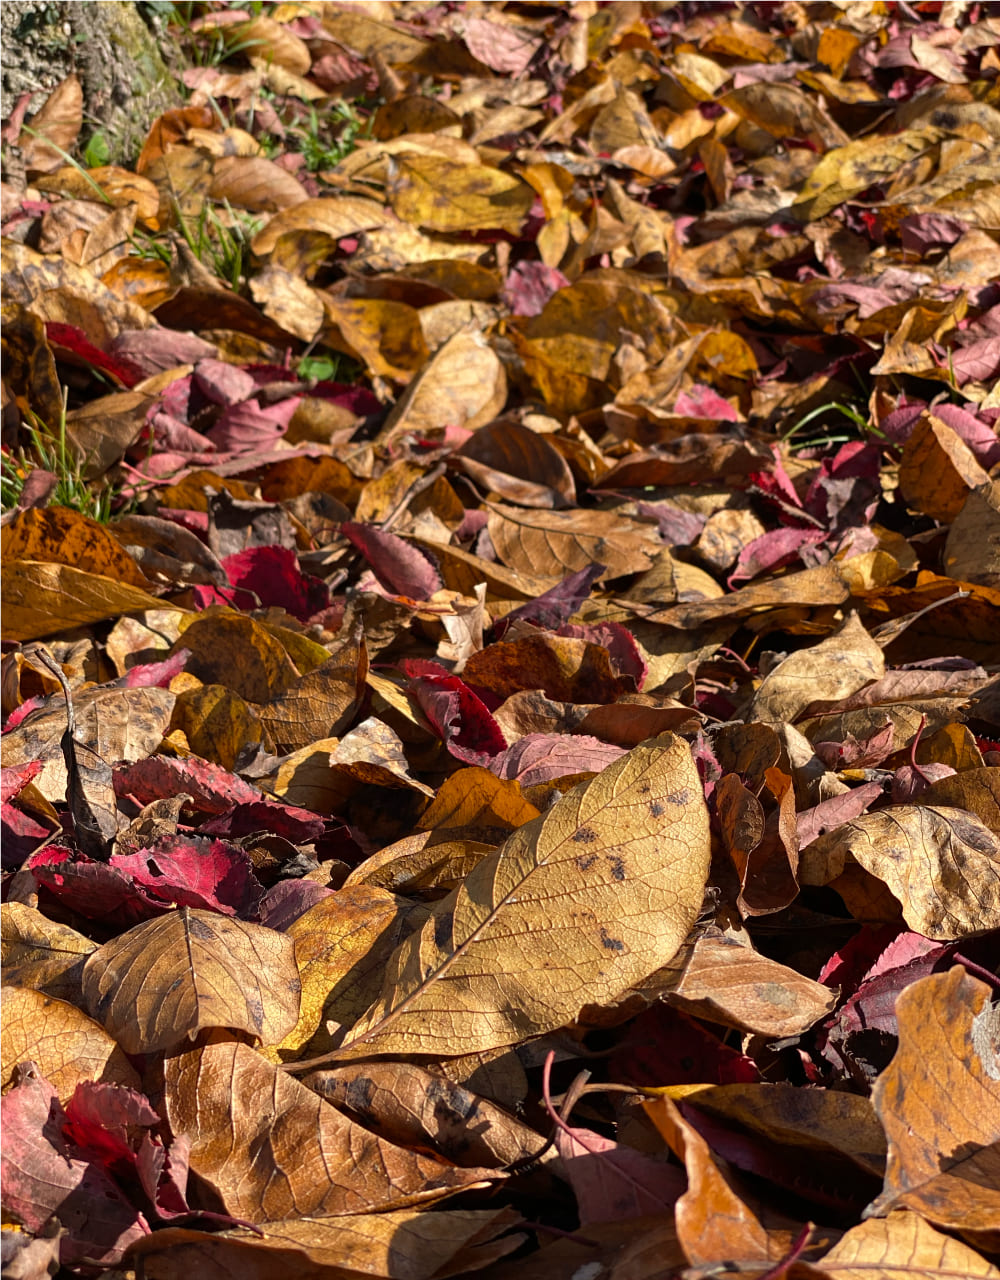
(939, 1102)
(575, 908)
(169, 978)
(271, 1149)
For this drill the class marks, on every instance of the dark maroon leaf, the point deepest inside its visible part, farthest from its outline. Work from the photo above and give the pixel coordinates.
(289, 899)
(553, 607)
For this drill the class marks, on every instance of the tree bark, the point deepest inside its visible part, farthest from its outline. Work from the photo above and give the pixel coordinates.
(126, 83)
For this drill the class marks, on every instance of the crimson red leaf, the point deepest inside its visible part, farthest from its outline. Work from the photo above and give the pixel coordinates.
(273, 575)
(68, 339)
(458, 717)
(212, 789)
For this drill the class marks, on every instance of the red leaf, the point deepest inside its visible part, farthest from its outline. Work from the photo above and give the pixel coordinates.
(664, 1046)
(458, 717)
(553, 607)
(193, 872)
(273, 575)
(543, 757)
(530, 285)
(398, 565)
(68, 338)
(15, 778)
(212, 789)
(42, 1176)
(612, 1182)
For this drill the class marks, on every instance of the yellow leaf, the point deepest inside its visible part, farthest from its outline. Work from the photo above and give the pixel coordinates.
(575, 908)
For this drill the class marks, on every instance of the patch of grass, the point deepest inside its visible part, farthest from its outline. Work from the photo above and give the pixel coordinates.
(222, 246)
(50, 451)
(331, 366)
(863, 429)
(323, 144)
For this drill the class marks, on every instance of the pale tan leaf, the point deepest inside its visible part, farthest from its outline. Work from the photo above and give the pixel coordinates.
(462, 384)
(942, 864)
(562, 542)
(825, 672)
(119, 724)
(169, 978)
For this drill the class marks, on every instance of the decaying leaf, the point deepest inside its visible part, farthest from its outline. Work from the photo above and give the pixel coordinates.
(938, 1101)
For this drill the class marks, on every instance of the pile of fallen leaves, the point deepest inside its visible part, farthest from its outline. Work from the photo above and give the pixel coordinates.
(529, 807)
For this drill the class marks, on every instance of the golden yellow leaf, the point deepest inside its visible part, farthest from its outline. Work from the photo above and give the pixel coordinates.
(341, 948)
(231, 649)
(335, 216)
(167, 979)
(42, 599)
(847, 170)
(438, 195)
(68, 1046)
(575, 908)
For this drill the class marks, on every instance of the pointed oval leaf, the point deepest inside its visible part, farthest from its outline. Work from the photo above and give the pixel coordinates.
(172, 977)
(577, 906)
